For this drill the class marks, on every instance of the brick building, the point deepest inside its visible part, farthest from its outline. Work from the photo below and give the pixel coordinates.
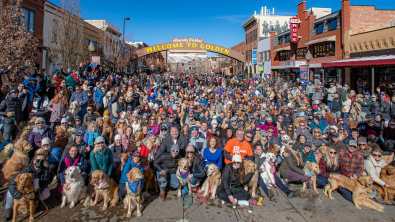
(237, 66)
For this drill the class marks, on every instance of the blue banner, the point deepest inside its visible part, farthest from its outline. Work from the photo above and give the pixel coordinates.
(304, 74)
(254, 56)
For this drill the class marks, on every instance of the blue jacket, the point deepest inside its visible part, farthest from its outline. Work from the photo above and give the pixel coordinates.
(98, 95)
(320, 126)
(54, 154)
(310, 157)
(129, 165)
(31, 89)
(80, 97)
(82, 164)
(101, 160)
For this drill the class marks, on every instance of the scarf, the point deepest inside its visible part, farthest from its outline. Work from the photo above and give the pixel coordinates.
(183, 175)
(68, 163)
(100, 185)
(92, 137)
(133, 186)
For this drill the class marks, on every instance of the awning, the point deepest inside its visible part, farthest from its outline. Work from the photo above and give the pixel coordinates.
(283, 49)
(363, 61)
(326, 39)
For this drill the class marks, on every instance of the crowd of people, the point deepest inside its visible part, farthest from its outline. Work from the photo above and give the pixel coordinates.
(206, 118)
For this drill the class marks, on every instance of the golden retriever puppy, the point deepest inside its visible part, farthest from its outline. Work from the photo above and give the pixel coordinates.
(149, 175)
(133, 190)
(182, 173)
(18, 161)
(213, 181)
(348, 183)
(313, 168)
(4, 154)
(251, 167)
(108, 127)
(24, 183)
(105, 187)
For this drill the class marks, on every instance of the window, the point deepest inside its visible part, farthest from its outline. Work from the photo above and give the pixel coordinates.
(301, 53)
(392, 24)
(287, 38)
(324, 50)
(280, 40)
(320, 28)
(284, 56)
(28, 19)
(332, 24)
(86, 41)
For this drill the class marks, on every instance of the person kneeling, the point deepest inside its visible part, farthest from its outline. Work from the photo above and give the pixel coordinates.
(41, 173)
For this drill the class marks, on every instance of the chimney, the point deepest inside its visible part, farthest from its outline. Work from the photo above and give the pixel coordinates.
(302, 9)
(345, 15)
(265, 10)
(262, 10)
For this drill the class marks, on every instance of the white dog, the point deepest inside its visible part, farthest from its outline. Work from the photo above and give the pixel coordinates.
(267, 166)
(77, 191)
(74, 108)
(286, 140)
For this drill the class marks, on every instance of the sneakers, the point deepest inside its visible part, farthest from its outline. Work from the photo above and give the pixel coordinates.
(292, 194)
(270, 194)
(162, 194)
(8, 215)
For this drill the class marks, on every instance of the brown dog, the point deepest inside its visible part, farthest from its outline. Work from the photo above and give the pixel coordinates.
(24, 183)
(348, 183)
(133, 197)
(361, 196)
(106, 187)
(251, 167)
(388, 158)
(108, 127)
(388, 176)
(18, 161)
(149, 176)
(313, 168)
(4, 154)
(124, 158)
(213, 181)
(61, 138)
(138, 138)
(183, 166)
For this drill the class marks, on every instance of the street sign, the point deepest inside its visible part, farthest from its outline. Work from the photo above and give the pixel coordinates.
(260, 68)
(254, 56)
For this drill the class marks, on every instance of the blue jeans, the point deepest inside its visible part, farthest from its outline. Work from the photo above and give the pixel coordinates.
(322, 181)
(345, 115)
(279, 159)
(193, 182)
(346, 194)
(279, 183)
(82, 112)
(171, 178)
(330, 104)
(40, 101)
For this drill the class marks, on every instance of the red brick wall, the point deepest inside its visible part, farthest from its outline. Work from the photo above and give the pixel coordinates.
(254, 43)
(238, 48)
(367, 18)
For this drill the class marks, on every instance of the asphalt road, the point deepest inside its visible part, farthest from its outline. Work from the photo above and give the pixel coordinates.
(307, 207)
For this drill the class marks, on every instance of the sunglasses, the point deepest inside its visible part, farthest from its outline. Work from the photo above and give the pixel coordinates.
(376, 155)
(249, 137)
(100, 143)
(301, 124)
(136, 156)
(362, 144)
(270, 131)
(78, 120)
(122, 122)
(190, 152)
(332, 152)
(175, 151)
(40, 123)
(317, 131)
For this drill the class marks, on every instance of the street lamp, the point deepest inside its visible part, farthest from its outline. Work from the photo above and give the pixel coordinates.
(308, 58)
(123, 35)
(91, 49)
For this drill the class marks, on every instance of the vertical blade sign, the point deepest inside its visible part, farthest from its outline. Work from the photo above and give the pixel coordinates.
(294, 21)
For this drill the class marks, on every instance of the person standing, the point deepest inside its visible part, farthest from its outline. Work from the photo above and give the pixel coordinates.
(11, 110)
(59, 109)
(82, 98)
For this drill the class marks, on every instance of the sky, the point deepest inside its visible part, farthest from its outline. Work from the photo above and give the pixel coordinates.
(217, 21)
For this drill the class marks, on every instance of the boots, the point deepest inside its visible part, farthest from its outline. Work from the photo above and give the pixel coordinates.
(8, 215)
(162, 194)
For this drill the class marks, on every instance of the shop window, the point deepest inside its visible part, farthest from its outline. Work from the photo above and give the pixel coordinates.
(362, 78)
(287, 38)
(324, 50)
(320, 28)
(284, 56)
(28, 19)
(301, 53)
(333, 24)
(386, 79)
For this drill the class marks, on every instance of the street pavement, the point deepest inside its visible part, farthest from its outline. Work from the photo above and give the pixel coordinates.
(307, 207)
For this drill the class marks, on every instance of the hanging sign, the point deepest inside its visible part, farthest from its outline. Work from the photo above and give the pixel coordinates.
(304, 74)
(294, 21)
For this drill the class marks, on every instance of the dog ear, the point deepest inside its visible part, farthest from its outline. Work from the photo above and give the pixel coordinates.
(17, 177)
(31, 176)
(179, 162)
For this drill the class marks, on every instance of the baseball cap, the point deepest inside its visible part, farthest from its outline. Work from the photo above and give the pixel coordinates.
(171, 116)
(362, 140)
(252, 117)
(367, 93)
(163, 127)
(194, 128)
(236, 158)
(45, 141)
(80, 132)
(64, 120)
(352, 143)
(307, 143)
(175, 147)
(163, 113)
(233, 119)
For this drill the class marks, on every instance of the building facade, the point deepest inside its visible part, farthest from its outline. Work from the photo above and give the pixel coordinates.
(264, 59)
(238, 66)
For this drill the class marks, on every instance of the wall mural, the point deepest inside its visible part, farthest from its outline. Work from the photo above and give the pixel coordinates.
(267, 27)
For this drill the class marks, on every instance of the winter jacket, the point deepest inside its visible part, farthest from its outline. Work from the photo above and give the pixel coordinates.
(290, 163)
(31, 89)
(116, 108)
(366, 105)
(82, 164)
(385, 110)
(129, 165)
(347, 105)
(388, 133)
(59, 112)
(375, 108)
(331, 91)
(167, 163)
(149, 149)
(81, 97)
(337, 105)
(36, 136)
(99, 95)
(318, 95)
(309, 157)
(11, 104)
(42, 175)
(319, 126)
(168, 142)
(70, 81)
(309, 88)
(116, 151)
(373, 169)
(392, 113)
(363, 128)
(198, 143)
(54, 154)
(81, 149)
(101, 160)
(155, 128)
(90, 118)
(230, 180)
(198, 167)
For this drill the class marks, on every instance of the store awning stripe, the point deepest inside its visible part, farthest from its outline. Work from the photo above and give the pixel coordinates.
(359, 63)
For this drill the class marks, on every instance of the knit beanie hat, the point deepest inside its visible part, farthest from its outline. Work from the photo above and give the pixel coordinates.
(190, 148)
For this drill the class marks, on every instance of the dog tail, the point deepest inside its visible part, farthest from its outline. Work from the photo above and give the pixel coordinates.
(88, 201)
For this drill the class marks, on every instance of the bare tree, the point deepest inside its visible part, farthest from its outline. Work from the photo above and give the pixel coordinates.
(17, 46)
(115, 55)
(66, 36)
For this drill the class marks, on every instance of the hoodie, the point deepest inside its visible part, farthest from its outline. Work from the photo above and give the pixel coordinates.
(129, 165)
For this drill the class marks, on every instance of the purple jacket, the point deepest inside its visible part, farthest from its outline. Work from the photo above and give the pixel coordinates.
(36, 136)
(60, 111)
(155, 128)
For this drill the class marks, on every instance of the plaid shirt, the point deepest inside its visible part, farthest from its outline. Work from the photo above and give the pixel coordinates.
(324, 169)
(352, 165)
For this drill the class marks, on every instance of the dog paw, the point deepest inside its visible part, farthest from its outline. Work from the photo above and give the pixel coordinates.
(72, 205)
(63, 205)
(139, 214)
(316, 192)
(331, 198)
(302, 190)
(105, 207)
(93, 204)
(128, 215)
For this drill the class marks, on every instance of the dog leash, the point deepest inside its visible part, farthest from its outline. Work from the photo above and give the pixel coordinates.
(208, 194)
(42, 201)
(189, 193)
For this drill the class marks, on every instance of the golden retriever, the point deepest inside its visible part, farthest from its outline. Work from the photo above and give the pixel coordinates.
(108, 127)
(124, 158)
(183, 166)
(138, 138)
(348, 183)
(361, 196)
(134, 175)
(149, 175)
(388, 176)
(106, 187)
(313, 168)
(24, 183)
(4, 154)
(18, 161)
(213, 181)
(251, 167)
(77, 191)
(61, 138)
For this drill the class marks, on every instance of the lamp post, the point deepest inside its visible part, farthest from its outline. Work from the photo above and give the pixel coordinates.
(308, 58)
(123, 34)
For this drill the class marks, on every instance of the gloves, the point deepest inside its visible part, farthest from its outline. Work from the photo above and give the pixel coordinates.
(10, 114)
